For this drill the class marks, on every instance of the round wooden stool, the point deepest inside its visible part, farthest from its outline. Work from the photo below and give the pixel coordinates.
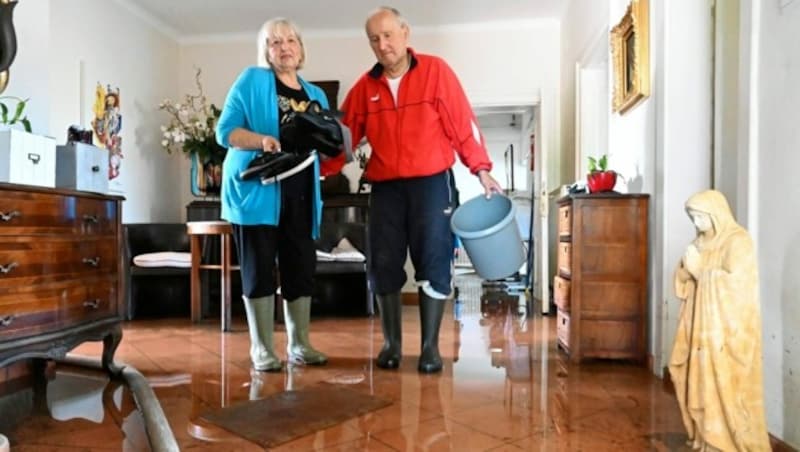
(196, 230)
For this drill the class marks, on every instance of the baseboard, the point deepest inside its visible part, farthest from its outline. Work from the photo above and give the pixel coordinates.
(776, 443)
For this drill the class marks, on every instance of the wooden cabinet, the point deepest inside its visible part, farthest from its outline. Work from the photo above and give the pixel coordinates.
(601, 283)
(60, 261)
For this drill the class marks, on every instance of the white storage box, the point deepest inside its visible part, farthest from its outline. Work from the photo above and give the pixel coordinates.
(81, 166)
(27, 159)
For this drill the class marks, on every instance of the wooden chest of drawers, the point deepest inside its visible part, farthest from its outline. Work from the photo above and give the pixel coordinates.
(601, 285)
(60, 261)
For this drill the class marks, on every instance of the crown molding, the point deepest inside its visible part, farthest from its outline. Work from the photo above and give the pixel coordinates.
(506, 25)
(500, 25)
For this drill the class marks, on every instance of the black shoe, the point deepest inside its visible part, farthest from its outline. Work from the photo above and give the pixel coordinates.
(275, 166)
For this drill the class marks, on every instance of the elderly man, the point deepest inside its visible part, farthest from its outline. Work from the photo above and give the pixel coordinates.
(414, 113)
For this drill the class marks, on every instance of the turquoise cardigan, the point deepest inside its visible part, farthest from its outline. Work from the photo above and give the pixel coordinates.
(252, 105)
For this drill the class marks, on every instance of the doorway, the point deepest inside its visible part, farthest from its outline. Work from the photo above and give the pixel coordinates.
(510, 134)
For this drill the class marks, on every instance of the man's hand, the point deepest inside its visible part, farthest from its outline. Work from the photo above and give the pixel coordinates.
(489, 184)
(270, 144)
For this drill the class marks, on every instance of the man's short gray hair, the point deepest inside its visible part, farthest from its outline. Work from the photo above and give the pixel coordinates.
(388, 9)
(267, 30)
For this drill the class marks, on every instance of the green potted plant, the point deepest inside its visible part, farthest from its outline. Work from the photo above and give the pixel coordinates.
(7, 118)
(600, 178)
(31, 158)
(191, 131)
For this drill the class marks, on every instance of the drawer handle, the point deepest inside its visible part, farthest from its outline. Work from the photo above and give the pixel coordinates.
(92, 304)
(10, 215)
(34, 158)
(4, 269)
(566, 214)
(7, 320)
(90, 219)
(94, 262)
(96, 169)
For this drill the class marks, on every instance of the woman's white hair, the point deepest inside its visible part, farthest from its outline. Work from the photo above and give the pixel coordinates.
(269, 29)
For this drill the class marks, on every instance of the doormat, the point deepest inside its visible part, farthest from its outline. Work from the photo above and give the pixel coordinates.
(286, 416)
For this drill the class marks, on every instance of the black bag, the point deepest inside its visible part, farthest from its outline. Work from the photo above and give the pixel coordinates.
(315, 128)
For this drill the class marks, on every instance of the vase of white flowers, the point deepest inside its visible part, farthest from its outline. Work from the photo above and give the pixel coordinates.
(191, 131)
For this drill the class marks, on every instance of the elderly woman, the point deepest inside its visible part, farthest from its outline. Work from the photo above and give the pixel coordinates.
(716, 358)
(275, 220)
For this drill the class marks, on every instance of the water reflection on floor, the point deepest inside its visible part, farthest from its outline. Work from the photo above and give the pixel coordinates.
(73, 408)
(505, 386)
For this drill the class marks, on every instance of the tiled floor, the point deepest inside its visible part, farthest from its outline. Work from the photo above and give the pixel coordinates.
(504, 387)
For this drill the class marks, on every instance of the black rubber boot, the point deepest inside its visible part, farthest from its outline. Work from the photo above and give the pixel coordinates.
(430, 316)
(391, 320)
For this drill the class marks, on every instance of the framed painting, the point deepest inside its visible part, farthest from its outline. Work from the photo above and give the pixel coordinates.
(630, 51)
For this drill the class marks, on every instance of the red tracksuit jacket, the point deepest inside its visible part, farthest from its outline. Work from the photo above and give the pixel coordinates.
(417, 136)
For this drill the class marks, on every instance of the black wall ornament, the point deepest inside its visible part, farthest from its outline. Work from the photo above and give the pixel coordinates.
(8, 40)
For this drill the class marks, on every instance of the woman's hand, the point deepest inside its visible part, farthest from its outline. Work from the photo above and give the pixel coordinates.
(692, 261)
(270, 144)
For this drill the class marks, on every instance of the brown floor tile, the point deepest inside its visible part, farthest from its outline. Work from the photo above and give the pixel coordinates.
(331, 437)
(504, 387)
(438, 434)
(363, 444)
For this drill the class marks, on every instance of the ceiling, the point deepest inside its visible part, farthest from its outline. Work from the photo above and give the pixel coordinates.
(191, 18)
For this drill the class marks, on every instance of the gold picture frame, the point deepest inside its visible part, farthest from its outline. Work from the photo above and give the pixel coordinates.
(630, 50)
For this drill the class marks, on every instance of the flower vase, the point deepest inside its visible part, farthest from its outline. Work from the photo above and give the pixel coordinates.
(206, 178)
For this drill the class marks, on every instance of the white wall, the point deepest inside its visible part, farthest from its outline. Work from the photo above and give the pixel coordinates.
(682, 161)
(120, 49)
(726, 101)
(29, 77)
(586, 23)
(778, 229)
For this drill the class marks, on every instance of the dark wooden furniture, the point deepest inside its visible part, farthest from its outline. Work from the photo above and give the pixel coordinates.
(601, 283)
(210, 282)
(343, 287)
(196, 230)
(60, 261)
(155, 291)
(203, 210)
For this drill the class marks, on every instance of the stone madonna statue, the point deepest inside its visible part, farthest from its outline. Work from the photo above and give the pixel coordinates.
(716, 358)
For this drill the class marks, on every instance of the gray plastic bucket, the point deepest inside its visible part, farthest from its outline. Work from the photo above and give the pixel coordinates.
(488, 229)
